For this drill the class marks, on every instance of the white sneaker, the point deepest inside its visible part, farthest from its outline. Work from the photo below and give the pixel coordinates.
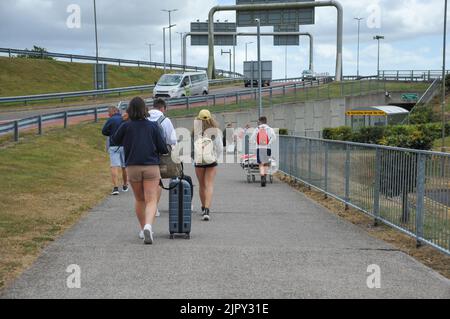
(148, 235)
(158, 214)
(141, 235)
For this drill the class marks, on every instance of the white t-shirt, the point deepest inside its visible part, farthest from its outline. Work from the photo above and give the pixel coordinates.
(169, 130)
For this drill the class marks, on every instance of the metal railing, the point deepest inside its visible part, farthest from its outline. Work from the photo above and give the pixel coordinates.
(73, 57)
(40, 120)
(185, 102)
(411, 75)
(405, 189)
(95, 93)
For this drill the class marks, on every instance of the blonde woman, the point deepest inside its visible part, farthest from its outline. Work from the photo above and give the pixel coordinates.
(208, 149)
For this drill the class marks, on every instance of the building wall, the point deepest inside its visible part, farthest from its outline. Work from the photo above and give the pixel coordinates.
(311, 116)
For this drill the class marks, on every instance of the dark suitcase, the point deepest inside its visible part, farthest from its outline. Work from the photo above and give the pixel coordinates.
(180, 208)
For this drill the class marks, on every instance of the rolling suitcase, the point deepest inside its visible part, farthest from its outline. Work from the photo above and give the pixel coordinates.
(180, 208)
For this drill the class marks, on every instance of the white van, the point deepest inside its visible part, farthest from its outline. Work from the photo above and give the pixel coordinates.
(180, 85)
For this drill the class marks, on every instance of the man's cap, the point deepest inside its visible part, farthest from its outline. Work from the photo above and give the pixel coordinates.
(204, 115)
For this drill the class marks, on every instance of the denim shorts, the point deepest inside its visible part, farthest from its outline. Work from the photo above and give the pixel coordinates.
(117, 156)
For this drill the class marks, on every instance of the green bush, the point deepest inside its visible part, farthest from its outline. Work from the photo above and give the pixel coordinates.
(409, 136)
(423, 115)
(284, 131)
(369, 135)
(343, 133)
(419, 137)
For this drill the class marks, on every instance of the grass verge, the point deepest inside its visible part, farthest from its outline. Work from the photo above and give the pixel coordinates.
(427, 255)
(48, 183)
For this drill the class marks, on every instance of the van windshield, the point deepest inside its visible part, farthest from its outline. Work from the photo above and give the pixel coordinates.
(170, 80)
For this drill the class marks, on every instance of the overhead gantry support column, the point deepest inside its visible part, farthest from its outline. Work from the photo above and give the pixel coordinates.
(279, 6)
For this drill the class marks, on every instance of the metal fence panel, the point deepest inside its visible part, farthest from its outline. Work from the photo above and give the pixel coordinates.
(406, 189)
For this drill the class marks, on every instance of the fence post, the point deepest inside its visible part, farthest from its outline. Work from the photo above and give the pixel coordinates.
(327, 155)
(309, 163)
(295, 91)
(66, 116)
(188, 104)
(9, 53)
(96, 115)
(295, 158)
(271, 95)
(214, 100)
(420, 198)
(347, 177)
(16, 131)
(377, 186)
(40, 124)
(237, 97)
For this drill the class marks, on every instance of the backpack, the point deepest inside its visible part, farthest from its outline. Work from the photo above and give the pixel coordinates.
(204, 153)
(262, 138)
(161, 128)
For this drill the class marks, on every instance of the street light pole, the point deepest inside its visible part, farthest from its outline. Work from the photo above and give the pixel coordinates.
(164, 45)
(378, 38)
(444, 87)
(285, 61)
(96, 32)
(181, 36)
(227, 52)
(170, 33)
(359, 30)
(150, 50)
(258, 21)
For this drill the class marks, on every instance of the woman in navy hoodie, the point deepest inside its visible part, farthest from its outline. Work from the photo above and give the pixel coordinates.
(143, 144)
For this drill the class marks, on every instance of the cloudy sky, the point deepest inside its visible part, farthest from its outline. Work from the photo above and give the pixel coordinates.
(413, 31)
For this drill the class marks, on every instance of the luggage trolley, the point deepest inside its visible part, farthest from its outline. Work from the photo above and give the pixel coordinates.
(249, 162)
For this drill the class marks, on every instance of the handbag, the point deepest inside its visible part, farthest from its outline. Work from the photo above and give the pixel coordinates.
(168, 168)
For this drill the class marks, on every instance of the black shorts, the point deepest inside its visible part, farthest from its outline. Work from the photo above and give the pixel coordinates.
(207, 166)
(263, 155)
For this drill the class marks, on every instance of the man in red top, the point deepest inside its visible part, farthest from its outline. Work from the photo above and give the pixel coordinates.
(264, 136)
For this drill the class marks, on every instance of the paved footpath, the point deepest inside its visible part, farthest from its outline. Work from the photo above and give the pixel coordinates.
(261, 243)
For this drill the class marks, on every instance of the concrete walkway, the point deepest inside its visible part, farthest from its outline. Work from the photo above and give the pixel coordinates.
(261, 243)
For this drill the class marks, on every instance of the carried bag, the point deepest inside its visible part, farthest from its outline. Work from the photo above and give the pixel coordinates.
(262, 137)
(168, 168)
(204, 153)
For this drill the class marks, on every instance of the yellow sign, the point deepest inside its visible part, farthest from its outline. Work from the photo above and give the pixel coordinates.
(366, 113)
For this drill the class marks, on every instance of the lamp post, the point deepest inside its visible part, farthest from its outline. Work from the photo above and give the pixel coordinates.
(181, 48)
(170, 32)
(444, 122)
(359, 30)
(96, 32)
(150, 50)
(164, 45)
(258, 21)
(285, 61)
(378, 38)
(227, 52)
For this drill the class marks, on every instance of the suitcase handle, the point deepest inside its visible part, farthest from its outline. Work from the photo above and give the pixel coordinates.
(176, 185)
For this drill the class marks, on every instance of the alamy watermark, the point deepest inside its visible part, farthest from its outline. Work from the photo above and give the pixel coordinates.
(74, 19)
(374, 279)
(74, 279)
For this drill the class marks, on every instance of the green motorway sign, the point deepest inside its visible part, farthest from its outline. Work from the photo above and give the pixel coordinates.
(410, 97)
